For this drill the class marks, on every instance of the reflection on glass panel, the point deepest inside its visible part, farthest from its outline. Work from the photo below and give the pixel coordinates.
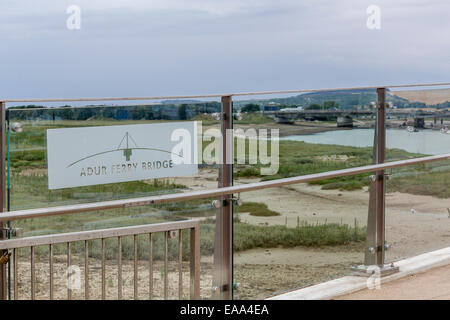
(418, 123)
(418, 210)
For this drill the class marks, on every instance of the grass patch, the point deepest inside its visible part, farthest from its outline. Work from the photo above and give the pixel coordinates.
(428, 179)
(257, 209)
(32, 191)
(298, 158)
(348, 183)
(253, 118)
(247, 172)
(247, 236)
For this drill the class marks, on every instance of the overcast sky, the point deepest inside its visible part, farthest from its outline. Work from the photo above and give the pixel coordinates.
(176, 47)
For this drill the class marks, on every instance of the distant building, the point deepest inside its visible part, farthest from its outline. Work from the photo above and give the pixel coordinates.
(272, 106)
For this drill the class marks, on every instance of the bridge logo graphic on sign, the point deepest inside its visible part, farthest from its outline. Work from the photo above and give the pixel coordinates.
(127, 150)
(100, 155)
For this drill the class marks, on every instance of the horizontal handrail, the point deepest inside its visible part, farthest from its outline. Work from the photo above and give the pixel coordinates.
(221, 94)
(143, 201)
(97, 234)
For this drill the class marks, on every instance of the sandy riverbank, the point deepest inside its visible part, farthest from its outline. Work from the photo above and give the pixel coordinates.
(299, 128)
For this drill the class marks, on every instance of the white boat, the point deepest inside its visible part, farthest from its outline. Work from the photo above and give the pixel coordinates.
(412, 129)
(445, 130)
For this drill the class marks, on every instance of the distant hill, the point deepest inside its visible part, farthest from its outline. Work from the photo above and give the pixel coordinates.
(181, 101)
(429, 97)
(347, 99)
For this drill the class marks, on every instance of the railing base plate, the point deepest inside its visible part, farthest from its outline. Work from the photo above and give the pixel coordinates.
(368, 271)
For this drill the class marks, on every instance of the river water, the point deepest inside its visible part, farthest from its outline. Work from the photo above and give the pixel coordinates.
(429, 142)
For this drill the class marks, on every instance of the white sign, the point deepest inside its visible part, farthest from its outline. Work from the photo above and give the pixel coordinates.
(99, 155)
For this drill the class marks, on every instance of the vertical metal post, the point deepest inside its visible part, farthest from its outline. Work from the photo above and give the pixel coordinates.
(166, 265)
(16, 272)
(8, 189)
(103, 269)
(371, 233)
(180, 264)
(69, 263)
(375, 240)
(119, 268)
(195, 263)
(33, 274)
(86, 270)
(3, 276)
(380, 179)
(52, 285)
(223, 255)
(150, 267)
(136, 267)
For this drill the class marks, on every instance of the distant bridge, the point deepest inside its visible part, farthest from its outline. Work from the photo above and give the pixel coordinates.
(345, 117)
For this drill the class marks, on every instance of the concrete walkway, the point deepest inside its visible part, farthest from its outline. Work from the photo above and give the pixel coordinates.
(426, 276)
(433, 284)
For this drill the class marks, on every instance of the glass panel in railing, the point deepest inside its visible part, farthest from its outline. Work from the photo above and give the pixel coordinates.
(75, 154)
(295, 236)
(32, 185)
(417, 210)
(298, 235)
(418, 122)
(309, 133)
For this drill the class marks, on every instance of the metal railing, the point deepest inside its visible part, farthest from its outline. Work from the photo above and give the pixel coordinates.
(219, 95)
(170, 230)
(222, 279)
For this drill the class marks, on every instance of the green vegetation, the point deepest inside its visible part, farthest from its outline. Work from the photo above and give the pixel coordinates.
(299, 158)
(325, 106)
(429, 179)
(257, 209)
(346, 99)
(247, 172)
(31, 190)
(248, 236)
(253, 118)
(176, 111)
(251, 107)
(27, 160)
